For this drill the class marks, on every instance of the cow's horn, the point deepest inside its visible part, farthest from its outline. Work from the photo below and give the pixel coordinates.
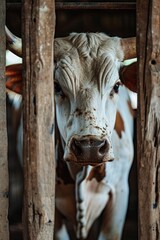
(14, 44)
(129, 47)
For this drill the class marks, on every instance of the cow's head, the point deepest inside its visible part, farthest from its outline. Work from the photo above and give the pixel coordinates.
(87, 82)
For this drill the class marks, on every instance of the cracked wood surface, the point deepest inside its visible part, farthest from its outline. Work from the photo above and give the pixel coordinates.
(148, 30)
(39, 170)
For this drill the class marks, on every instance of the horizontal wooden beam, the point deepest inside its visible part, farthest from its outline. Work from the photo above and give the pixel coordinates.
(87, 5)
(95, 5)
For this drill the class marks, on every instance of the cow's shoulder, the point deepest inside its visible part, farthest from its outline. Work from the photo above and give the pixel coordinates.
(122, 138)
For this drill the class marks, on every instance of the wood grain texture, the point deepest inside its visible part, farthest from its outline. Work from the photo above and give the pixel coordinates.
(4, 229)
(39, 166)
(148, 29)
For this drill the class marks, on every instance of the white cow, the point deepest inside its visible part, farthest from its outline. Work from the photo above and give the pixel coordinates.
(94, 147)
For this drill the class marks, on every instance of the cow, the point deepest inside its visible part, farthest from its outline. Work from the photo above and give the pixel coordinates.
(94, 132)
(13, 106)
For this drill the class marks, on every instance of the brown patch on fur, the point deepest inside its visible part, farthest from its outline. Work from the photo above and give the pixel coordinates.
(132, 111)
(14, 78)
(98, 173)
(119, 125)
(78, 112)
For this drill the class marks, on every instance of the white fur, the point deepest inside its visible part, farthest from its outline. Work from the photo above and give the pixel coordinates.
(87, 68)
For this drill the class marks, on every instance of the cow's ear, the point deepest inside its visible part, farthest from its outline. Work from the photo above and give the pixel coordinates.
(14, 78)
(128, 76)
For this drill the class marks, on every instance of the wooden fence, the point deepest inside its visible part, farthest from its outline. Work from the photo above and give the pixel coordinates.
(38, 29)
(38, 102)
(148, 37)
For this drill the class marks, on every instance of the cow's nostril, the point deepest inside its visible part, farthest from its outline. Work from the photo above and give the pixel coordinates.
(103, 148)
(76, 147)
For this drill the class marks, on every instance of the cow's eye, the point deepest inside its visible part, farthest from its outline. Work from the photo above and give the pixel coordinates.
(116, 87)
(58, 89)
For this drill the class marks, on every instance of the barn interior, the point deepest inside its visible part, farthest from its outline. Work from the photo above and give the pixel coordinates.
(115, 18)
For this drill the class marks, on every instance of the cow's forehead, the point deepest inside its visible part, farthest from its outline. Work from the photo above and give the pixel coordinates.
(83, 58)
(88, 45)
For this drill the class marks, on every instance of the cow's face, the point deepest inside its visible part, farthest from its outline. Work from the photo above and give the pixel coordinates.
(86, 93)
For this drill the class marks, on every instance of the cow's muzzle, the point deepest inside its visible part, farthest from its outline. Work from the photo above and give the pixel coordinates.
(89, 150)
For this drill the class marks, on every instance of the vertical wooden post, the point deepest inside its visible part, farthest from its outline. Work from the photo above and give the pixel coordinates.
(4, 230)
(148, 31)
(38, 101)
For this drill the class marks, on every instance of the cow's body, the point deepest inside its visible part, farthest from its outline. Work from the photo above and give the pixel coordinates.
(103, 190)
(98, 188)
(94, 148)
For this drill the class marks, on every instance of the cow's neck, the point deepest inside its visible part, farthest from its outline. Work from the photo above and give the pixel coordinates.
(88, 181)
(92, 194)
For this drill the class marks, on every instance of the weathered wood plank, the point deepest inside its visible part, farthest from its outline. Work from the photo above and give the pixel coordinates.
(149, 119)
(4, 230)
(86, 5)
(39, 172)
